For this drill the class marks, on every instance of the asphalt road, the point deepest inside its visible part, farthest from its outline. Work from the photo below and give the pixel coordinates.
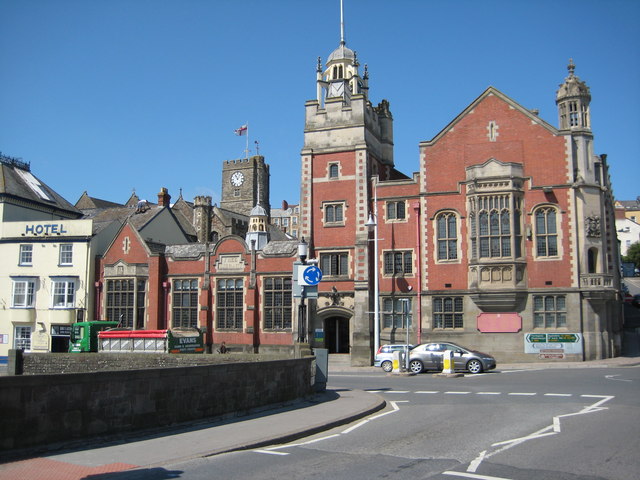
(549, 424)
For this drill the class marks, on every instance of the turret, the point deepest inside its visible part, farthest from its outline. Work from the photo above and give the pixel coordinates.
(573, 98)
(202, 217)
(258, 222)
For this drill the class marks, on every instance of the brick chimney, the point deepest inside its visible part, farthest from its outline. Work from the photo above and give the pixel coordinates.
(164, 197)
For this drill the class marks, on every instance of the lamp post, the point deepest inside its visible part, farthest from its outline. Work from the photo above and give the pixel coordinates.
(372, 225)
(303, 251)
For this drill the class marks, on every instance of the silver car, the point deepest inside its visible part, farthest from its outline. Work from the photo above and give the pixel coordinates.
(384, 355)
(429, 356)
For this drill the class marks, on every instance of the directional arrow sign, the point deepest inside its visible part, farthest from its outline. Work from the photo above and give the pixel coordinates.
(310, 275)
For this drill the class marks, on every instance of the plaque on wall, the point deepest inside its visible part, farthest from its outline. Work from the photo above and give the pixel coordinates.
(230, 263)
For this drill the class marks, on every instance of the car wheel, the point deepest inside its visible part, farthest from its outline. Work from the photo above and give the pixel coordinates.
(474, 366)
(387, 366)
(415, 366)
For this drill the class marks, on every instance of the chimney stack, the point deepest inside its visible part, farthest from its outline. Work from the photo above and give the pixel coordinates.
(164, 197)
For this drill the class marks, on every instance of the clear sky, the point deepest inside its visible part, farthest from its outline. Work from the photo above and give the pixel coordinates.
(109, 96)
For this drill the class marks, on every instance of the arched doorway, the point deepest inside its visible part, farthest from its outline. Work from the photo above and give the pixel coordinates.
(336, 338)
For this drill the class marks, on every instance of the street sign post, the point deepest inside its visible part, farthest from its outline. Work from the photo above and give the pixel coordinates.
(309, 275)
(552, 344)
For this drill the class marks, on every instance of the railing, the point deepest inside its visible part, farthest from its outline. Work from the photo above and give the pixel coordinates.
(596, 280)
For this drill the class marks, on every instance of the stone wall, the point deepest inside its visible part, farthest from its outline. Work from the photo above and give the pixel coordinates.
(41, 409)
(53, 363)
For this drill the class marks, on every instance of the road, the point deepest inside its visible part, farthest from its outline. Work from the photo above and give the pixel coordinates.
(549, 424)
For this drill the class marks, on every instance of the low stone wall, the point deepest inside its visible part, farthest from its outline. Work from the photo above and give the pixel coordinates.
(53, 363)
(40, 409)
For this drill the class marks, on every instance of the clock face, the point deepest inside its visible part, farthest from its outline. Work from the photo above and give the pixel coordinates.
(237, 179)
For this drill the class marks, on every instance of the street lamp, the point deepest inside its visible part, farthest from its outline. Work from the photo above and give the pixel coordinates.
(303, 251)
(372, 225)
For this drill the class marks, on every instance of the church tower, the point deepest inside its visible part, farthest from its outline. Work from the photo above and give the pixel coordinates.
(245, 183)
(347, 141)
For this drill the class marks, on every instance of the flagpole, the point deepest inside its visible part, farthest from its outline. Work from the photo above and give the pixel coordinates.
(246, 151)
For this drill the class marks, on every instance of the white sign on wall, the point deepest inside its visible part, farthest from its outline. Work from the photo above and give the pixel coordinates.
(553, 343)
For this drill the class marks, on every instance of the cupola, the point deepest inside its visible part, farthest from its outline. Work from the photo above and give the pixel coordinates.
(573, 98)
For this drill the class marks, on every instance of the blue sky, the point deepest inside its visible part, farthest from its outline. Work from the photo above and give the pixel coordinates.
(109, 96)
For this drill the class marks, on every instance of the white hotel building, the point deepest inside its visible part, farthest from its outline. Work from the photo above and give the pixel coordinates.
(46, 282)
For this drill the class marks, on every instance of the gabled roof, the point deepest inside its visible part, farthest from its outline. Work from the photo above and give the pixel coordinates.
(184, 222)
(86, 202)
(133, 200)
(497, 93)
(103, 217)
(225, 214)
(17, 182)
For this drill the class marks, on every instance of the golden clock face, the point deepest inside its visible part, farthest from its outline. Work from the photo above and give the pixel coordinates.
(237, 179)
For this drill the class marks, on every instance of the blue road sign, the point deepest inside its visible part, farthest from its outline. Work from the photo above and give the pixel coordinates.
(311, 275)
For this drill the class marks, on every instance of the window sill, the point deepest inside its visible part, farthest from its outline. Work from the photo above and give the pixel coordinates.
(334, 224)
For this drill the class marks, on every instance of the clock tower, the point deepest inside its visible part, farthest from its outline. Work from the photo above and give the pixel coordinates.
(245, 183)
(348, 148)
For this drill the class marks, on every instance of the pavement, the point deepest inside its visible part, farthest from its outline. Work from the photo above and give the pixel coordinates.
(118, 458)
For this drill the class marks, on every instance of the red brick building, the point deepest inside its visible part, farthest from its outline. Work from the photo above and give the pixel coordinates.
(504, 240)
(238, 294)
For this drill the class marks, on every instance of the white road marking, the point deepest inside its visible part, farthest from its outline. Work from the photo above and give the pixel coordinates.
(558, 394)
(472, 475)
(473, 466)
(428, 391)
(524, 394)
(521, 370)
(366, 420)
(553, 429)
(273, 450)
(457, 393)
(610, 377)
(488, 393)
(270, 452)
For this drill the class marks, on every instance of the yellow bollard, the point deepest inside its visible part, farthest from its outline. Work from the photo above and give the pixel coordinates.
(448, 363)
(396, 362)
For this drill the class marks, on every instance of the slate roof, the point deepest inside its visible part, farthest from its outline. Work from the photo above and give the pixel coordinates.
(86, 202)
(14, 183)
(102, 217)
(281, 247)
(184, 222)
(629, 204)
(186, 250)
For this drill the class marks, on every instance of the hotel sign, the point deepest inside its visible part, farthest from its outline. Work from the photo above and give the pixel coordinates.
(45, 229)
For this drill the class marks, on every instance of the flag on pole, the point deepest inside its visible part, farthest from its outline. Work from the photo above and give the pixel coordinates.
(242, 130)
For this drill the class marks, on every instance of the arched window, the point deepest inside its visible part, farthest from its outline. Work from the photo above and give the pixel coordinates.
(546, 232)
(447, 236)
(333, 170)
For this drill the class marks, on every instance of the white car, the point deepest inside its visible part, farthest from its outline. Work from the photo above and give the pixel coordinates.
(384, 355)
